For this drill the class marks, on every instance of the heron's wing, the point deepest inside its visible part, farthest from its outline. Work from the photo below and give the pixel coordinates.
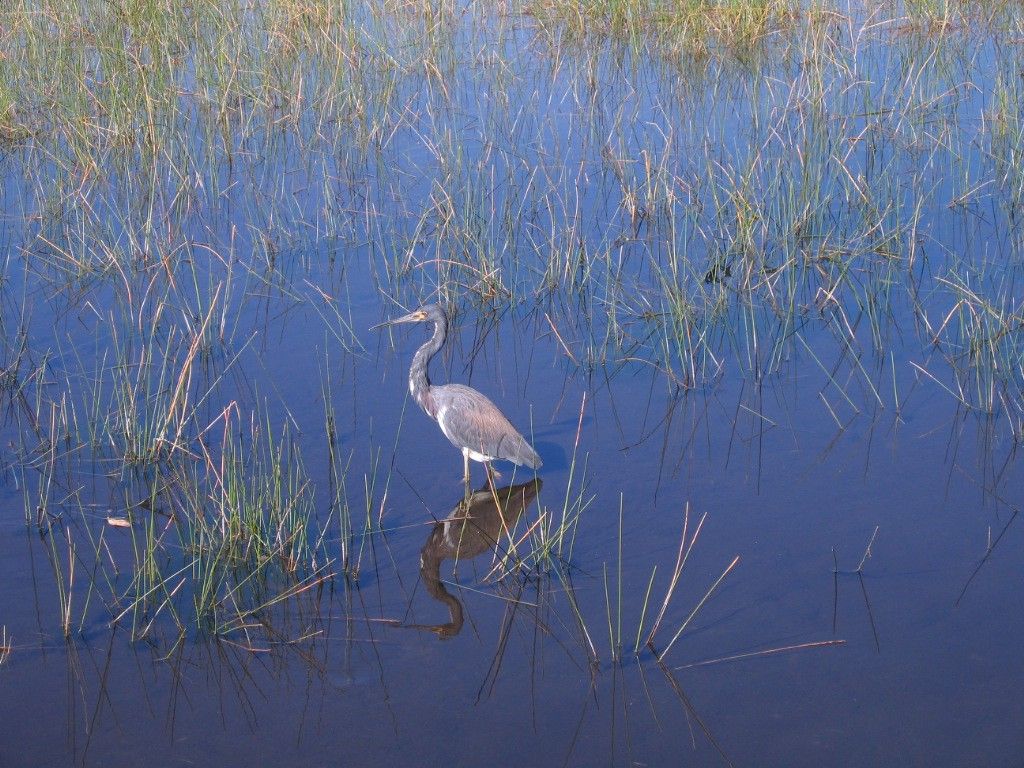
(472, 421)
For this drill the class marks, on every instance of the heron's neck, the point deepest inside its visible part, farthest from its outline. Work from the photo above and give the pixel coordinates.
(419, 382)
(430, 573)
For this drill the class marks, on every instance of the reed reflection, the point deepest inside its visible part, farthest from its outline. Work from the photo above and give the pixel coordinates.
(476, 525)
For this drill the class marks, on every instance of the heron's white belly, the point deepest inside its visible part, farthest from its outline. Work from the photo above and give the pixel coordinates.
(477, 456)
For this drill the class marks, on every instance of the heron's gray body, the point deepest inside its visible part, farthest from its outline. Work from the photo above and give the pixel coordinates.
(474, 424)
(467, 418)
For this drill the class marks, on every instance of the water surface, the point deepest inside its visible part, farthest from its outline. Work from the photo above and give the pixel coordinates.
(776, 285)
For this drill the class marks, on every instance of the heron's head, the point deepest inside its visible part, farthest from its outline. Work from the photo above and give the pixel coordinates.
(430, 313)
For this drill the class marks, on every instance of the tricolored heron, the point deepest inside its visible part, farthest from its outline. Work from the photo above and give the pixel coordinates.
(468, 419)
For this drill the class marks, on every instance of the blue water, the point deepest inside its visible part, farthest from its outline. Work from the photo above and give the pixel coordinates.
(832, 423)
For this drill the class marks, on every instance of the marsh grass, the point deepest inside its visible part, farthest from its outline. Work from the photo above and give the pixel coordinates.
(529, 554)
(695, 27)
(239, 532)
(709, 188)
(205, 199)
(745, 233)
(220, 521)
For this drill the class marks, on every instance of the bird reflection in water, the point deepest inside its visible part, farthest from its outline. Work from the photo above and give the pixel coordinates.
(475, 526)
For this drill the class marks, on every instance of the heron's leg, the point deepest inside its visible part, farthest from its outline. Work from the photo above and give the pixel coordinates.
(465, 465)
(489, 481)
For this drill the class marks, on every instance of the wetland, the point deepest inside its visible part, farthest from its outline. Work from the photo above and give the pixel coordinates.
(746, 274)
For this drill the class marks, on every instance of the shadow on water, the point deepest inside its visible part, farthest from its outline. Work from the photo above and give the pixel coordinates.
(554, 455)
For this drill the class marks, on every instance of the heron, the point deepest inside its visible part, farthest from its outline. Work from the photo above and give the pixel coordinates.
(467, 418)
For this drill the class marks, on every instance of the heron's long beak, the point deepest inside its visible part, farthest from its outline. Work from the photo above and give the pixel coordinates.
(410, 318)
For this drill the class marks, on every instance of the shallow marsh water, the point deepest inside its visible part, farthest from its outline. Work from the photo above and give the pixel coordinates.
(773, 282)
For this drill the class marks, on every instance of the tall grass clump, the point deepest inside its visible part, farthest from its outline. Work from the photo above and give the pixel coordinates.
(238, 533)
(698, 28)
